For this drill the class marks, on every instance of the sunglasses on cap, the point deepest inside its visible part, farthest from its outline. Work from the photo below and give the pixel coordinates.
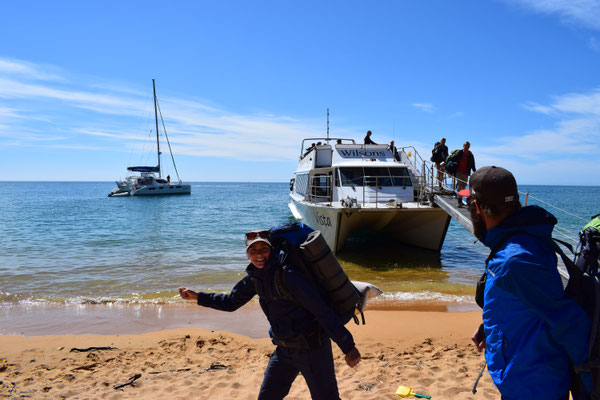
(253, 235)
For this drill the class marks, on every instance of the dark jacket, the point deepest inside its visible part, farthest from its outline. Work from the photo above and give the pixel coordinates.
(531, 328)
(470, 160)
(439, 153)
(288, 319)
(368, 140)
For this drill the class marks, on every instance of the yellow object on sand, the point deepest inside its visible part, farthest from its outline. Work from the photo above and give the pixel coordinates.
(405, 391)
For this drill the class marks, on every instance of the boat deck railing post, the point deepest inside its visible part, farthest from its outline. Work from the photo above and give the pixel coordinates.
(376, 192)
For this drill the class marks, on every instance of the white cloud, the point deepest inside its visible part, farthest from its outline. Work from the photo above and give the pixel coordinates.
(28, 70)
(113, 112)
(426, 107)
(531, 106)
(565, 153)
(578, 12)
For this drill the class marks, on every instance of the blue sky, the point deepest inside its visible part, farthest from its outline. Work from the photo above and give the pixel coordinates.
(241, 83)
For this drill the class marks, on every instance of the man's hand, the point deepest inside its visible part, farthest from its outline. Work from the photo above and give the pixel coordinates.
(188, 294)
(479, 338)
(353, 357)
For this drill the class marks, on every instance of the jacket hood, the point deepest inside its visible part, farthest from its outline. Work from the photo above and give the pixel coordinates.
(531, 219)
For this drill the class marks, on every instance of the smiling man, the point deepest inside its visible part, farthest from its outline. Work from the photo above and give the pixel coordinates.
(301, 327)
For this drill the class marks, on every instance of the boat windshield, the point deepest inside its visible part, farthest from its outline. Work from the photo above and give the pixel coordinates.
(375, 176)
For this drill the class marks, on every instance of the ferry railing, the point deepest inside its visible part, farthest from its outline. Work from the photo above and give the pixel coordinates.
(320, 193)
(422, 171)
(373, 186)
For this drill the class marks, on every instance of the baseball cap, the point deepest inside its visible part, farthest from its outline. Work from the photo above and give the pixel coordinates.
(257, 236)
(492, 186)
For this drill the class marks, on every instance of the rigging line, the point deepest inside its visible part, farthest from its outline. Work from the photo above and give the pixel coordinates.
(168, 142)
(565, 230)
(558, 208)
(565, 233)
(570, 238)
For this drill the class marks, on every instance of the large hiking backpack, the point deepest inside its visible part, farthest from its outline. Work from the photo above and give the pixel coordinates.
(584, 287)
(306, 250)
(451, 163)
(436, 153)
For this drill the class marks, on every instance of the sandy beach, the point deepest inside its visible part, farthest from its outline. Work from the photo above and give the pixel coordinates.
(429, 351)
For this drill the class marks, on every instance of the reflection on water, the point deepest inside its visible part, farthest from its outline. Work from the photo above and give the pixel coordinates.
(395, 268)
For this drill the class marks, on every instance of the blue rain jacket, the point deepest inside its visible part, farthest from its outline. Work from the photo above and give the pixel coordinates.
(287, 319)
(531, 328)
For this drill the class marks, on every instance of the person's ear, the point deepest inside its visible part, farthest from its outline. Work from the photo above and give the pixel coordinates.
(478, 208)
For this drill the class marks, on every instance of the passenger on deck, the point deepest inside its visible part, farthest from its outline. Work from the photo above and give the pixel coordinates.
(394, 151)
(169, 179)
(439, 155)
(368, 138)
(312, 146)
(466, 164)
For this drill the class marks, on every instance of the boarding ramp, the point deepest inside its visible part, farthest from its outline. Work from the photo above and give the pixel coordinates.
(443, 195)
(447, 202)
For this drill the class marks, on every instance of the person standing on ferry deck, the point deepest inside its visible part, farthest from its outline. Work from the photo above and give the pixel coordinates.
(368, 138)
(466, 164)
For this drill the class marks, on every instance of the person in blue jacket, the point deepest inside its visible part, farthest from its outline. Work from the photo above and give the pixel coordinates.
(301, 327)
(531, 329)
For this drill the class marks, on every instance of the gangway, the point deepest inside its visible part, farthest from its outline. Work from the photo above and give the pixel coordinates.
(442, 193)
(447, 202)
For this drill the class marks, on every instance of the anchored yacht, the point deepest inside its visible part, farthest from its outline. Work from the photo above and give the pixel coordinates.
(341, 187)
(147, 184)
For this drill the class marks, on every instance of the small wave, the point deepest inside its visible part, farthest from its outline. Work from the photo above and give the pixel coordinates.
(388, 299)
(427, 296)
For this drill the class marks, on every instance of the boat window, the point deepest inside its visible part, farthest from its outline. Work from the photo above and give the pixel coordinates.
(400, 177)
(301, 183)
(377, 176)
(371, 176)
(352, 176)
(320, 185)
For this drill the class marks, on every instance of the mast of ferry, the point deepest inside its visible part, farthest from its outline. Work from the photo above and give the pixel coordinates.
(156, 120)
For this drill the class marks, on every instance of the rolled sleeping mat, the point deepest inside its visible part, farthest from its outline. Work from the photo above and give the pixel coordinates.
(342, 293)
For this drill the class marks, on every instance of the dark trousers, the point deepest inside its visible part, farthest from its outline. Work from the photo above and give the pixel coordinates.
(316, 366)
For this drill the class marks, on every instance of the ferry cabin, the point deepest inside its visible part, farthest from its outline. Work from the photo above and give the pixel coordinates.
(340, 188)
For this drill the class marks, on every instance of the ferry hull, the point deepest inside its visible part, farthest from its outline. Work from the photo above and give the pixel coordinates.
(423, 227)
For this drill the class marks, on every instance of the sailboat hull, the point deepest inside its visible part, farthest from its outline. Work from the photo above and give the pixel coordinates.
(158, 190)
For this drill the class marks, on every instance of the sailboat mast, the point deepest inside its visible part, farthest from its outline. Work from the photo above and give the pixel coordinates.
(156, 120)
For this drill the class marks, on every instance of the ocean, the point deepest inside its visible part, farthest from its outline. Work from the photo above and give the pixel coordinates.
(66, 245)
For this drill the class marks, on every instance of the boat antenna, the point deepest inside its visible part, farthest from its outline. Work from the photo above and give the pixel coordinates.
(156, 120)
(328, 124)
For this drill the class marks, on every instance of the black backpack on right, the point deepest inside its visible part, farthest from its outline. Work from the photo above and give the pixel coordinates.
(584, 287)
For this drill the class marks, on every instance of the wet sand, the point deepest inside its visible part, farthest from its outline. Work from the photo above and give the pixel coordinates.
(427, 350)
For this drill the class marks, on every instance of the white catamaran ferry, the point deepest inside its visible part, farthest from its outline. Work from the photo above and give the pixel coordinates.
(341, 187)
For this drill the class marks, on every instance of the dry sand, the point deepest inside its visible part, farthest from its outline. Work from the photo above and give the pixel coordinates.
(429, 351)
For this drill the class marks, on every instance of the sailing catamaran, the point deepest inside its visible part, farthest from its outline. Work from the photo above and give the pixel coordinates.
(147, 184)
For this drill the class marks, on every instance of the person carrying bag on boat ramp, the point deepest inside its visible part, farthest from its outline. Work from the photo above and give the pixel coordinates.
(300, 328)
(532, 330)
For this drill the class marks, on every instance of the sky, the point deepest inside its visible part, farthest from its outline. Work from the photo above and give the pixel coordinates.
(241, 83)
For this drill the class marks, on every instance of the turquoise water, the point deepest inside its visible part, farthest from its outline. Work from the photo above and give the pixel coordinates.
(67, 243)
